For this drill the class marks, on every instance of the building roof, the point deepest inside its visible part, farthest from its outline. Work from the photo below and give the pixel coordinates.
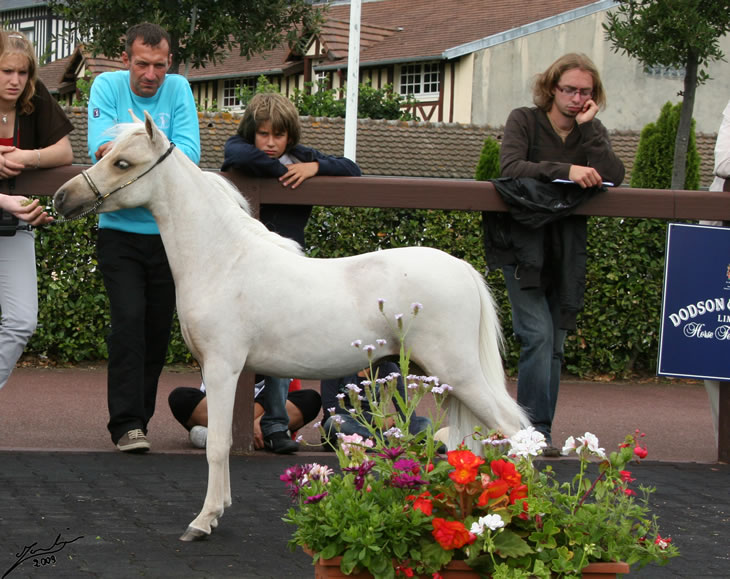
(409, 30)
(8, 5)
(425, 30)
(52, 73)
(391, 148)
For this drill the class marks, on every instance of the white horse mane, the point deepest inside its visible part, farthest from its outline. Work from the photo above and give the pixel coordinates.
(223, 185)
(116, 132)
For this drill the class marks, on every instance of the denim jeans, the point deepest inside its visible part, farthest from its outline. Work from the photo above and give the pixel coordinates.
(18, 298)
(273, 399)
(535, 321)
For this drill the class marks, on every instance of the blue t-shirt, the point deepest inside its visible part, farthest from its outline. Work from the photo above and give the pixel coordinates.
(172, 109)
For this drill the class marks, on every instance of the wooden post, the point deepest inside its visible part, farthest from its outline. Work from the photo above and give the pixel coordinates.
(723, 423)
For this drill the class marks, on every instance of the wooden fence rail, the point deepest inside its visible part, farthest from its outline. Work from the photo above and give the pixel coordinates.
(417, 193)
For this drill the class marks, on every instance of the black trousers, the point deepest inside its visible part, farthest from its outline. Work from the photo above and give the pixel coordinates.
(141, 295)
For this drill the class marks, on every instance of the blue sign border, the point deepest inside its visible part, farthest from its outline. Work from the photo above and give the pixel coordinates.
(694, 339)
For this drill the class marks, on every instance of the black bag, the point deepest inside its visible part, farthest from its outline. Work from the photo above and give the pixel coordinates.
(8, 224)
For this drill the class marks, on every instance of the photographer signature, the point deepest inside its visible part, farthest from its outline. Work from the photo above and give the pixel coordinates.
(32, 551)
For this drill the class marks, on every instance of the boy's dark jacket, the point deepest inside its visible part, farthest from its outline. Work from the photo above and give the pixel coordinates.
(541, 237)
(244, 156)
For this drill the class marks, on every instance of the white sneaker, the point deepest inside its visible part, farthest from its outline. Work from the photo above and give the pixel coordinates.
(199, 436)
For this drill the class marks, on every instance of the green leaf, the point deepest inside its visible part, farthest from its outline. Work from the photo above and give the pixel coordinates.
(509, 544)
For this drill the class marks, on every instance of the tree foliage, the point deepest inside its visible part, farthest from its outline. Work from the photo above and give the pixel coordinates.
(200, 32)
(653, 165)
(488, 164)
(672, 33)
(316, 100)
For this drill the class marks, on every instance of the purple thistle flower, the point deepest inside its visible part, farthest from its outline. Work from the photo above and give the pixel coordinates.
(315, 498)
(407, 480)
(407, 464)
(361, 472)
(391, 453)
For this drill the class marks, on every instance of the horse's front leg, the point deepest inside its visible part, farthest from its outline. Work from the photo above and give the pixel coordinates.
(221, 392)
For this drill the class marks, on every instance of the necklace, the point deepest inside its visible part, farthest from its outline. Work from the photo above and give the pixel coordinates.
(562, 133)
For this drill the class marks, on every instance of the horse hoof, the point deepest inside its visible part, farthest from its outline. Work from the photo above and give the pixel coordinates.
(193, 534)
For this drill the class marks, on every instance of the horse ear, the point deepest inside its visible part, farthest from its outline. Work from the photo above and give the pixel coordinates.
(149, 125)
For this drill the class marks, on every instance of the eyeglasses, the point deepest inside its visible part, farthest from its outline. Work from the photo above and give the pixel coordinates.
(570, 91)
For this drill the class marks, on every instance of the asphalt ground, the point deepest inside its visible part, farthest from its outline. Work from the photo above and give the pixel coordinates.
(72, 506)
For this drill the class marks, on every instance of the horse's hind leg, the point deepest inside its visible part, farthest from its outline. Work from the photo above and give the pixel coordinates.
(221, 391)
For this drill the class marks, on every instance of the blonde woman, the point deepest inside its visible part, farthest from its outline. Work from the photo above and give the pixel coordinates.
(33, 134)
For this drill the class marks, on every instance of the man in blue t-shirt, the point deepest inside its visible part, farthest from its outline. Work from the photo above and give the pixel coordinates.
(131, 256)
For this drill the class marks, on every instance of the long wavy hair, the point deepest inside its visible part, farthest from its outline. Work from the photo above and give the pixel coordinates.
(543, 90)
(13, 42)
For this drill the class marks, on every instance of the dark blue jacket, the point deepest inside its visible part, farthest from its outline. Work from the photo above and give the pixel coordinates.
(244, 156)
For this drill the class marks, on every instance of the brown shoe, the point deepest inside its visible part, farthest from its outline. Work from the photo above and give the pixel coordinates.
(134, 441)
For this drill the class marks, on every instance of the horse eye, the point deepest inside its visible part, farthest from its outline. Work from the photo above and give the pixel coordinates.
(122, 164)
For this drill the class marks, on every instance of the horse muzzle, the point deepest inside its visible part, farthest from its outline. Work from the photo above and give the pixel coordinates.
(73, 198)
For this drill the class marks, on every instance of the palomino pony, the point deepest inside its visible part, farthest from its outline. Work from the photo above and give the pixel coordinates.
(248, 298)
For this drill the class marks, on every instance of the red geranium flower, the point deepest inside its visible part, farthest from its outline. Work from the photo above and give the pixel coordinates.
(422, 502)
(466, 465)
(517, 493)
(506, 470)
(451, 534)
(626, 476)
(494, 490)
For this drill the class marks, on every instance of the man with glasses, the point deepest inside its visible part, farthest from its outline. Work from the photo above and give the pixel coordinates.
(559, 139)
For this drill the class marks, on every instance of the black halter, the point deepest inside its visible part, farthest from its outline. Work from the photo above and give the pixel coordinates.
(100, 198)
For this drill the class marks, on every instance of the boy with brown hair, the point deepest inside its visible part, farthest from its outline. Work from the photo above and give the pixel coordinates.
(267, 145)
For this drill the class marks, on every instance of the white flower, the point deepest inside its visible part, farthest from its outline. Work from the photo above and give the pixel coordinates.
(569, 445)
(300, 438)
(527, 442)
(416, 307)
(380, 342)
(590, 442)
(491, 522)
(381, 303)
(369, 349)
(320, 470)
(332, 410)
(337, 419)
(319, 423)
(356, 344)
(353, 388)
(340, 396)
(393, 433)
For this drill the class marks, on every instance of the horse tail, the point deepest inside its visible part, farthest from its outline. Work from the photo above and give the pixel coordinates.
(496, 404)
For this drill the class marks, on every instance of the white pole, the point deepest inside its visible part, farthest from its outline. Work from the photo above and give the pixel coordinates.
(353, 81)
